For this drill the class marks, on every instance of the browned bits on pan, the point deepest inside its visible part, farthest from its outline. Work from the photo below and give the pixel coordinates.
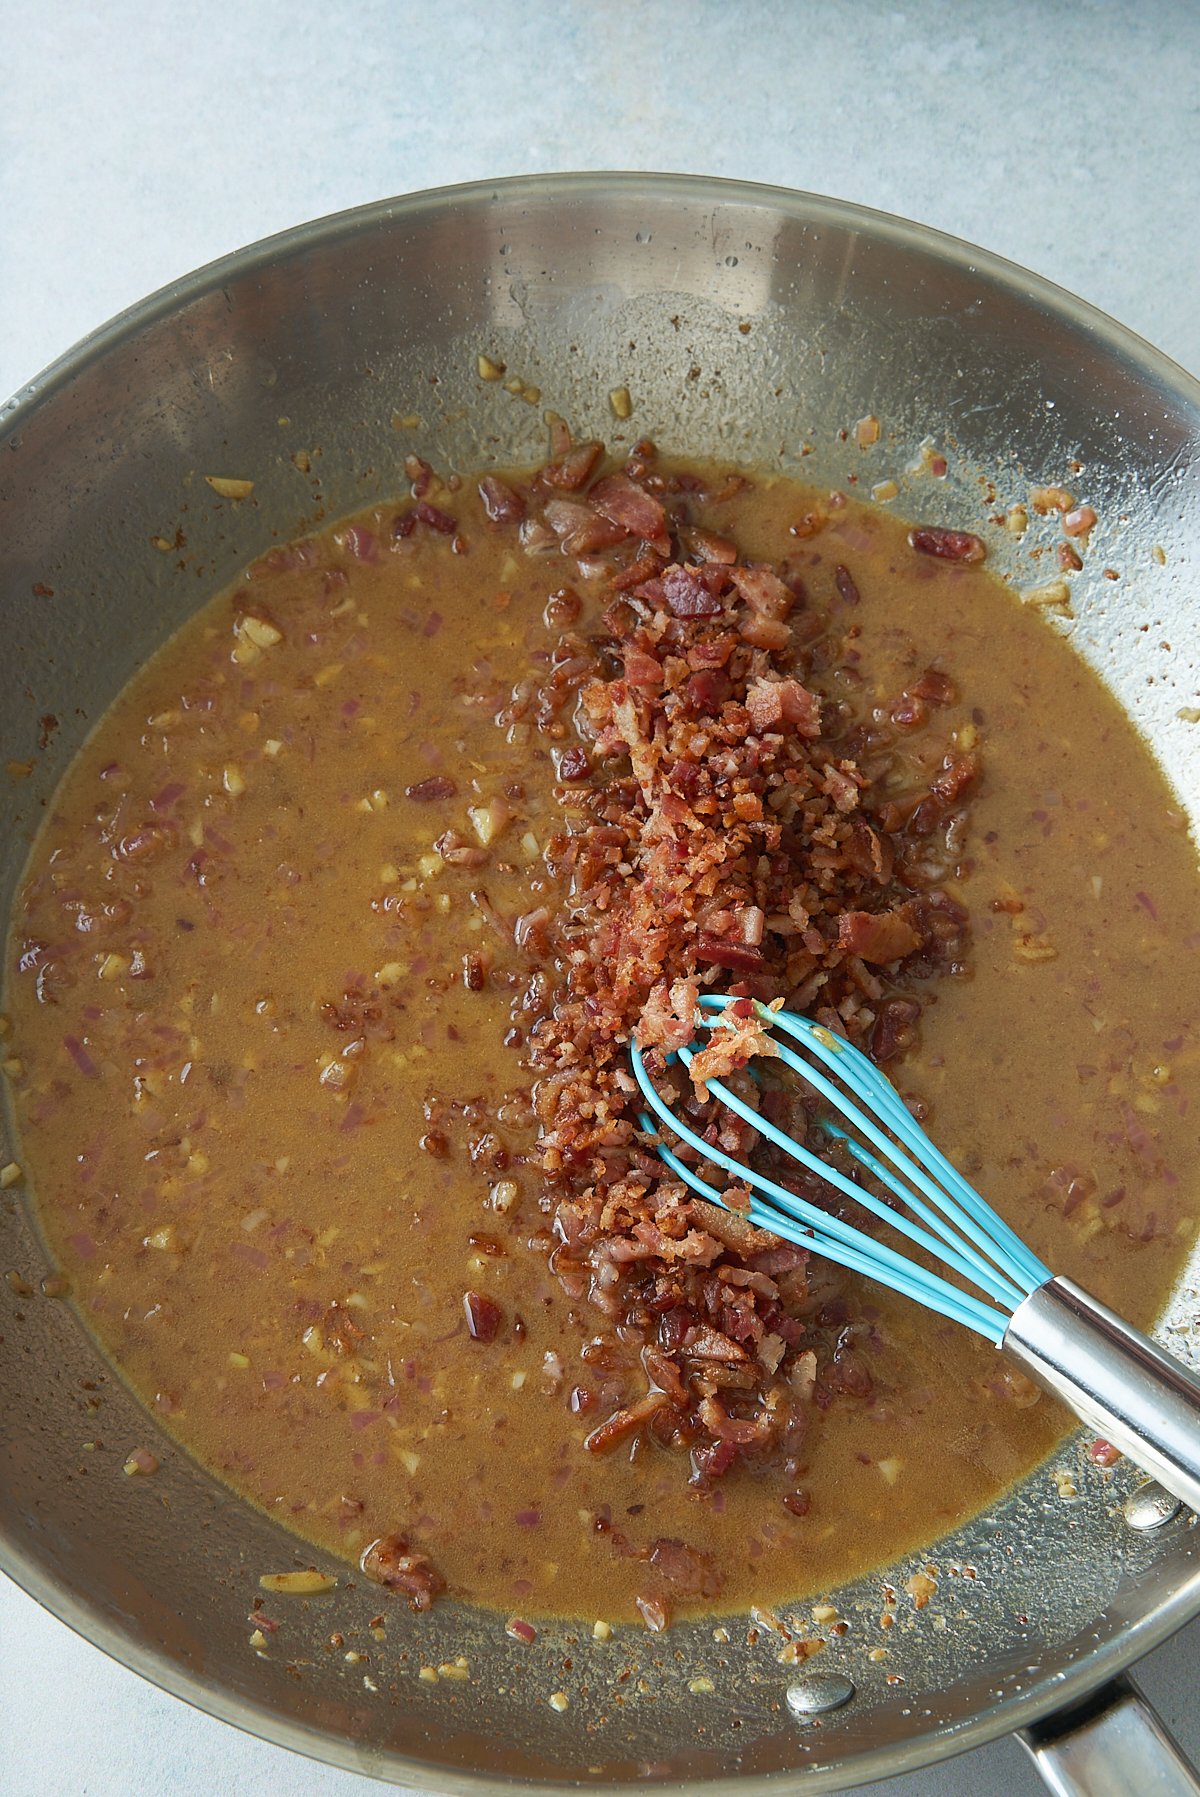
(948, 545)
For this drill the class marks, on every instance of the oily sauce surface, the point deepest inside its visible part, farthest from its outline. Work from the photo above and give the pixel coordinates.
(243, 1011)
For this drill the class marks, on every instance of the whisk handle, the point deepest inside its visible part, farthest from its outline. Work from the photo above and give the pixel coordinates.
(1114, 1379)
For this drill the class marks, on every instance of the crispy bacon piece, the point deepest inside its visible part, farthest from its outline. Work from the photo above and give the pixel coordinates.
(638, 513)
(572, 471)
(880, 936)
(734, 1043)
(763, 591)
(688, 595)
(500, 502)
(949, 545)
(484, 1317)
(774, 703)
(389, 1561)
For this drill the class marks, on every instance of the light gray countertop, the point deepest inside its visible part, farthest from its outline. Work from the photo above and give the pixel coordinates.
(138, 140)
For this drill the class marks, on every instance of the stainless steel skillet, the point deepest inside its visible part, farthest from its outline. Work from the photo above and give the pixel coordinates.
(348, 344)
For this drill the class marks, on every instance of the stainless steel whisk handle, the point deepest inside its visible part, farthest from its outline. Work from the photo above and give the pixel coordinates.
(1114, 1379)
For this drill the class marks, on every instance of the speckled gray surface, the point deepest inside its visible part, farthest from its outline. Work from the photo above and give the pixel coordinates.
(139, 140)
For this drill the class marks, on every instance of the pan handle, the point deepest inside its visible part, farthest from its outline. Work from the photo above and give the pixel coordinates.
(1109, 1746)
(1115, 1379)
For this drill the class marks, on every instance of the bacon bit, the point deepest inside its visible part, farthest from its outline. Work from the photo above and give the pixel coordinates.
(623, 1422)
(579, 529)
(688, 595)
(361, 542)
(1079, 522)
(484, 1317)
(435, 519)
(616, 498)
(436, 788)
(642, 669)
(935, 687)
(774, 702)
(573, 471)
(844, 581)
(389, 1562)
(866, 431)
(500, 502)
(949, 545)
(763, 591)
(710, 548)
(1069, 558)
(1103, 1452)
(738, 957)
(520, 1630)
(879, 937)
(732, 1045)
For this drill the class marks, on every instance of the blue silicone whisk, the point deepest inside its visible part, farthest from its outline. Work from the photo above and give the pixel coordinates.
(1140, 1399)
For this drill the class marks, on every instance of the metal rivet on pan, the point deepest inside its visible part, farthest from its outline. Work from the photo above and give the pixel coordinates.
(819, 1693)
(1150, 1506)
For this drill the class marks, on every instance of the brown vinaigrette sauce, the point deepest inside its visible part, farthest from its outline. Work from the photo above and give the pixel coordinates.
(276, 1095)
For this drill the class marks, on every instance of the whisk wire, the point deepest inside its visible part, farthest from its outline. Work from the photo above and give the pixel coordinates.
(974, 1257)
(959, 1255)
(865, 1079)
(961, 1307)
(811, 1227)
(950, 1220)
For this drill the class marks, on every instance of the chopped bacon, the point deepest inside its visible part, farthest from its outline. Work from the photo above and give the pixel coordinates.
(390, 1562)
(572, 470)
(880, 937)
(642, 669)
(433, 789)
(733, 1044)
(775, 702)
(722, 829)
(484, 1317)
(763, 591)
(668, 1020)
(623, 1423)
(688, 595)
(739, 957)
(949, 545)
(617, 498)
(435, 519)
(500, 502)
(579, 529)
(690, 1572)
